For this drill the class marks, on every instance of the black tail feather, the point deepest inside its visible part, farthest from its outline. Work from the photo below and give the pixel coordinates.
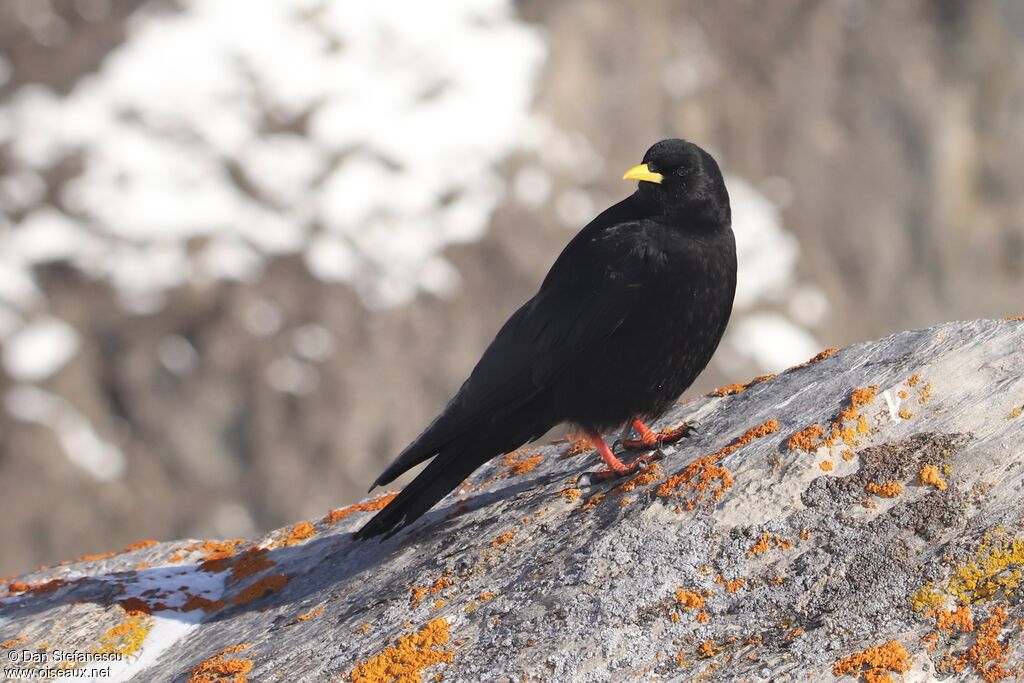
(437, 480)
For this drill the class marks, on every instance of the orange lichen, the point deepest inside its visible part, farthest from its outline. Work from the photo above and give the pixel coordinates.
(889, 489)
(814, 437)
(405, 661)
(825, 465)
(905, 414)
(765, 543)
(20, 640)
(1011, 318)
(365, 628)
(519, 463)
(218, 554)
(929, 476)
(820, 357)
(571, 494)
(702, 617)
(645, 477)
(704, 476)
(734, 585)
(795, 632)
(503, 538)
(689, 600)
(987, 656)
(250, 562)
(924, 394)
(875, 663)
(378, 503)
(578, 445)
(959, 619)
(135, 606)
(96, 557)
(762, 545)
(296, 534)
(140, 545)
(312, 613)
(439, 603)
(19, 588)
(417, 593)
(727, 390)
(806, 439)
(594, 500)
(707, 649)
(902, 393)
(260, 588)
(913, 380)
(223, 669)
(195, 602)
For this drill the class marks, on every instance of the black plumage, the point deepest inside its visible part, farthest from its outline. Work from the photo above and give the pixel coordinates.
(628, 316)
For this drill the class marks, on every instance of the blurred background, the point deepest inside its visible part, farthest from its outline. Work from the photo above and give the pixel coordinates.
(249, 248)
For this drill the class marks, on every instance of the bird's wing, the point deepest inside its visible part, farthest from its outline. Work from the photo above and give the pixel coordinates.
(588, 294)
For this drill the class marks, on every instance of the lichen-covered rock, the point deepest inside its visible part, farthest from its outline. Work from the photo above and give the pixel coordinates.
(855, 518)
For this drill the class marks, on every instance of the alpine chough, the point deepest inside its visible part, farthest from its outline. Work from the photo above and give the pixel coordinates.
(628, 316)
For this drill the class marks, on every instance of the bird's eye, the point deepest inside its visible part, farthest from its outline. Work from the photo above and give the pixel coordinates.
(682, 171)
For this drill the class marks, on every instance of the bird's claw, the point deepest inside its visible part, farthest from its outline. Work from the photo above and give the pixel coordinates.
(660, 439)
(640, 464)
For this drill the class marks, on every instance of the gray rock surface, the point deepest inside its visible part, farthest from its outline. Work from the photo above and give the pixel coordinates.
(753, 551)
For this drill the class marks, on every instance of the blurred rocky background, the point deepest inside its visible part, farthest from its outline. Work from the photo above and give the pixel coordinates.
(249, 249)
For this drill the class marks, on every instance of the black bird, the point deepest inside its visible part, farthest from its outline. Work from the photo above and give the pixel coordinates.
(628, 316)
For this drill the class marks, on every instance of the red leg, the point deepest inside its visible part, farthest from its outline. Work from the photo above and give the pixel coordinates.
(651, 439)
(616, 468)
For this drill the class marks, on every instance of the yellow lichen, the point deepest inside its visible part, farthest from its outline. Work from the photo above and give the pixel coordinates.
(405, 661)
(571, 494)
(995, 569)
(127, 637)
(825, 465)
(1015, 413)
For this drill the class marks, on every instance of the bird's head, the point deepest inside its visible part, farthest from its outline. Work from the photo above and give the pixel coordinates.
(678, 179)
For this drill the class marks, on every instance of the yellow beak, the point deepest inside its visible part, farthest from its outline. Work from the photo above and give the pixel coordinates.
(641, 172)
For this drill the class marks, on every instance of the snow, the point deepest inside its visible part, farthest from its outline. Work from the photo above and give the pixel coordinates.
(367, 141)
(773, 341)
(82, 444)
(407, 112)
(172, 586)
(768, 256)
(39, 349)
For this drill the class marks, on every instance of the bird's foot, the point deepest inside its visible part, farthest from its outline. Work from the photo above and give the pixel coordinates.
(651, 439)
(611, 473)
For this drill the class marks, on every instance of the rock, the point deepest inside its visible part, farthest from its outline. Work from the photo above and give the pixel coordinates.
(856, 516)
